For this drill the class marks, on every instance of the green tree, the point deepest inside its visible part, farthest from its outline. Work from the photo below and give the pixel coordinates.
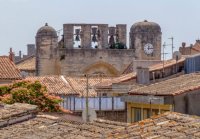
(31, 93)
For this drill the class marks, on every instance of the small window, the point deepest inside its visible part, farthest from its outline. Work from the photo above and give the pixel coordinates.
(137, 114)
(146, 113)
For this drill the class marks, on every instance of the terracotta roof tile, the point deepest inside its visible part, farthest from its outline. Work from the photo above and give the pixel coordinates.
(27, 64)
(158, 66)
(79, 84)
(7, 111)
(48, 126)
(168, 125)
(167, 64)
(55, 85)
(15, 111)
(8, 70)
(129, 74)
(64, 85)
(174, 86)
(196, 47)
(122, 78)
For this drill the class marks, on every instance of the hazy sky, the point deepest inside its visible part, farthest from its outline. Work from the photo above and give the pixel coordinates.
(20, 19)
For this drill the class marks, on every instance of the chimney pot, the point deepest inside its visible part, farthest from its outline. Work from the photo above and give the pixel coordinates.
(20, 54)
(183, 44)
(11, 55)
(198, 41)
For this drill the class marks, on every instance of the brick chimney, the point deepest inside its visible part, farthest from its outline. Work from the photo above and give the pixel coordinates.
(183, 44)
(143, 75)
(31, 49)
(11, 55)
(20, 54)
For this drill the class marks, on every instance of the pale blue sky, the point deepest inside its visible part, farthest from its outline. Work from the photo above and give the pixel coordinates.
(20, 19)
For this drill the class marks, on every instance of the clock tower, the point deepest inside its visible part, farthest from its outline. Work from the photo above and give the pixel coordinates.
(145, 39)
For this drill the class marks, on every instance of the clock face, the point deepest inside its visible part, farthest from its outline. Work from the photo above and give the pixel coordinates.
(148, 48)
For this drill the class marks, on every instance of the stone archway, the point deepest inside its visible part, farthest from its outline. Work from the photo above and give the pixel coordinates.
(102, 68)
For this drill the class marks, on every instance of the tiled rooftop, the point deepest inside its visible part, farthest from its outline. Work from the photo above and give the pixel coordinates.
(8, 70)
(55, 85)
(174, 86)
(158, 66)
(129, 74)
(64, 85)
(165, 126)
(167, 64)
(79, 84)
(10, 114)
(20, 121)
(15, 125)
(122, 78)
(196, 46)
(51, 127)
(27, 64)
(169, 125)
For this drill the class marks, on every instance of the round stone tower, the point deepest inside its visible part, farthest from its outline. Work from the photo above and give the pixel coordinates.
(46, 43)
(145, 39)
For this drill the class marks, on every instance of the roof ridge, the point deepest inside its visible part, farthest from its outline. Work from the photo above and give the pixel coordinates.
(24, 59)
(8, 69)
(70, 84)
(4, 56)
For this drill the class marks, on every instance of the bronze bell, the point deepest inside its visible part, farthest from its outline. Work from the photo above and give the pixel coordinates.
(77, 33)
(77, 38)
(94, 38)
(94, 30)
(112, 40)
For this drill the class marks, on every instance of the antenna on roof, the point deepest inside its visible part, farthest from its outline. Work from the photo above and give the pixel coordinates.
(164, 45)
(172, 44)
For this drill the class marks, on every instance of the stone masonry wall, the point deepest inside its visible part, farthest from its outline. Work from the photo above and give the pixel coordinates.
(45, 60)
(109, 61)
